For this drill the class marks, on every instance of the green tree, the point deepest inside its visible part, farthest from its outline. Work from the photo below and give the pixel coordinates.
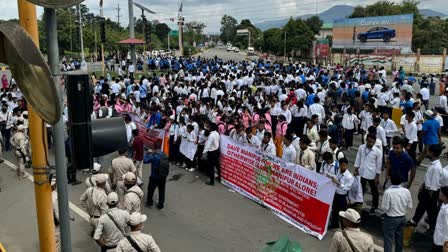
(272, 41)
(256, 35)
(228, 28)
(161, 30)
(297, 30)
(315, 23)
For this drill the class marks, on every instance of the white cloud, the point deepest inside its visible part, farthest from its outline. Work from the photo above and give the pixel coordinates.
(211, 11)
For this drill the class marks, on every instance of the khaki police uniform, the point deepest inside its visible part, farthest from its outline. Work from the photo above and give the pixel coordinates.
(132, 200)
(120, 166)
(361, 241)
(94, 201)
(108, 231)
(19, 143)
(144, 241)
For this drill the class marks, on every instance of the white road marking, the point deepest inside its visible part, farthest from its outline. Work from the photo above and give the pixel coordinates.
(72, 206)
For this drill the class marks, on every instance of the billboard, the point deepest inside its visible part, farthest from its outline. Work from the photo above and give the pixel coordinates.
(387, 32)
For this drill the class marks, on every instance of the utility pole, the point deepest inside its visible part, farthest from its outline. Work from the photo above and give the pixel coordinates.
(102, 44)
(80, 31)
(70, 26)
(61, 166)
(118, 15)
(131, 29)
(284, 49)
(168, 41)
(180, 23)
(42, 189)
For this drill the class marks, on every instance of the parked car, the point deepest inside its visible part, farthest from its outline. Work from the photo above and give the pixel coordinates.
(383, 33)
(236, 49)
(229, 48)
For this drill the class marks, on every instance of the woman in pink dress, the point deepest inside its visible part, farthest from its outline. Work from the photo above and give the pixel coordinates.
(5, 83)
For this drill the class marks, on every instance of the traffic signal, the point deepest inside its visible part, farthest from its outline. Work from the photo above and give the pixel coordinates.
(103, 29)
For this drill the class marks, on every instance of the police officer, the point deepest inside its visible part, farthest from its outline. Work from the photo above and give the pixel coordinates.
(18, 141)
(112, 225)
(91, 181)
(136, 240)
(94, 201)
(119, 167)
(132, 200)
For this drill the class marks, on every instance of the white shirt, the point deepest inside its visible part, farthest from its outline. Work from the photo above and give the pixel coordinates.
(418, 119)
(345, 182)
(390, 127)
(212, 142)
(425, 93)
(433, 175)
(289, 154)
(441, 230)
(317, 109)
(254, 141)
(381, 134)
(115, 88)
(443, 102)
(287, 115)
(396, 200)
(330, 169)
(269, 148)
(369, 161)
(444, 178)
(410, 131)
(349, 121)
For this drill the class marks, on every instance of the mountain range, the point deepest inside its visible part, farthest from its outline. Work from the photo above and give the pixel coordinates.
(335, 13)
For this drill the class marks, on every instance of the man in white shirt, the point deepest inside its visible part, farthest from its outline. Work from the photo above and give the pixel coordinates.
(380, 132)
(443, 101)
(211, 151)
(317, 109)
(344, 181)
(131, 70)
(349, 120)
(425, 96)
(251, 139)
(389, 126)
(428, 193)
(440, 240)
(368, 164)
(396, 201)
(410, 134)
(289, 152)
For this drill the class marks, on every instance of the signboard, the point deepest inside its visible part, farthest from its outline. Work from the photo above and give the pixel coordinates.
(387, 32)
(242, 32)
(174, 33)
(150, 136)
(298, 195)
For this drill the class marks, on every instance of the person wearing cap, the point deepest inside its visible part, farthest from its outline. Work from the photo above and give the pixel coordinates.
(94, 201)
(428, 192)
(351, 238)
(132, 200)
(431, 134)
(120, 166)
(440, 239)
(91, 181)
(306, 157)
(396, 201)
(136, 240)
(18, 142)
(112, 225)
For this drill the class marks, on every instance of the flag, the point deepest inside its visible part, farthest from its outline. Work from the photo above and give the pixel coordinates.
(180, 8)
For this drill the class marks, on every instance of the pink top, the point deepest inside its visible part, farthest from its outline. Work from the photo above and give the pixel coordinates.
(222, 128)
(5, 83)
(255, 119)
(281, 128)
(268, 124)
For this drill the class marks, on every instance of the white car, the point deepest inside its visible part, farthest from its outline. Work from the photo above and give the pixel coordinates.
(155, 53)
(236, 49)
(229, 48)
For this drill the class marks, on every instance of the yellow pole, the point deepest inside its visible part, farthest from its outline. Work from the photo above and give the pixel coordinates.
(42, 190)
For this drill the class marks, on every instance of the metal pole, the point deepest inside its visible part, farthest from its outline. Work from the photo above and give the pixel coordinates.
(181, 48)
(102, 44)
(80, 32)
(42, 189)
(131, 29)
(249, 40)
(58, 128)
(284, 49)
(168, 41)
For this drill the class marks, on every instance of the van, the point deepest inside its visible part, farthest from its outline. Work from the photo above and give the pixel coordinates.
(250, 51)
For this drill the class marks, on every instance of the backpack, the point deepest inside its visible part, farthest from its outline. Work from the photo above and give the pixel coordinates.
(164, 168)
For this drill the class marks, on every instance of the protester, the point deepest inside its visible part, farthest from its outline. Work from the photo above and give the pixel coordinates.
(159, 171)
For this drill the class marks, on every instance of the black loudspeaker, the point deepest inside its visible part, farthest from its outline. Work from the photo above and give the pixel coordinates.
(108, 135)
(80, 106)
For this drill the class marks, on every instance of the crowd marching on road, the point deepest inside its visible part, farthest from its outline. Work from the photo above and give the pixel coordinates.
(302, 113)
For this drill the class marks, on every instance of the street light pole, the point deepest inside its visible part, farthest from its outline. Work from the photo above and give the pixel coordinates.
(131, 28)
(284, 49)
(102, 44)
(80, 32)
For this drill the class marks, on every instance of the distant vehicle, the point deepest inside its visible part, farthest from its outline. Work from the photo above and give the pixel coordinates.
(154, 53)
(229, 44)
(236, 49)
(250, 51)
(383, 33)
(229, 48)
(169, 52)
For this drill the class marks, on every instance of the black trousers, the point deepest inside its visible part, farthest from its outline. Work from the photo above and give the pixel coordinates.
(339, 204)
(373, 188)
(274, 125)
(198, 157)
(6, 137)
(213, 161)
(348, 136)
(156, 182)
(427, 202)
(436, 248)
(412, 151)
(174, 150)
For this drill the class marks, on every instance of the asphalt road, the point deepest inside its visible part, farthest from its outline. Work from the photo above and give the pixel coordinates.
(223, 54)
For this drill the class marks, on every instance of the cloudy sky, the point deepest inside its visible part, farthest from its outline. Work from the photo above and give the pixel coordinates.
(211, 11)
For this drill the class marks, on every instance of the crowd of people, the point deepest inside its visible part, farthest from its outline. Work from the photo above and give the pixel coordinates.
(302, 113)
